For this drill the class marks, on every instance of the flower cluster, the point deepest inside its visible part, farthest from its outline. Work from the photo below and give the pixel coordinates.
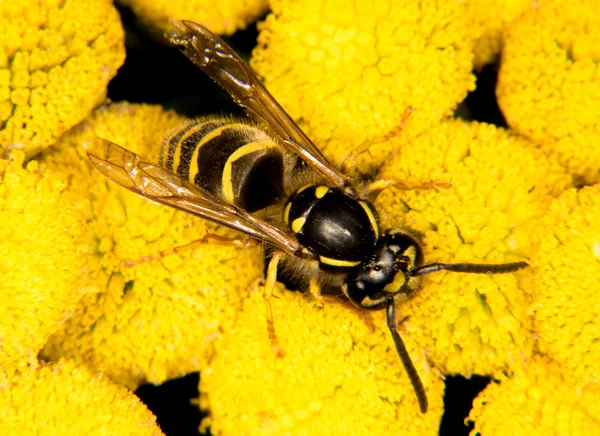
(550, 68)
(349, 73)
(76, 320)
(56, 59)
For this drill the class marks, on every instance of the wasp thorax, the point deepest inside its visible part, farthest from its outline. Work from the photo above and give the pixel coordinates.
(386, 272)
(339, 230)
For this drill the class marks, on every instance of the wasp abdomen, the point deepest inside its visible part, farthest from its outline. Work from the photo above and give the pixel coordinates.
(339, 229)
(235, 161)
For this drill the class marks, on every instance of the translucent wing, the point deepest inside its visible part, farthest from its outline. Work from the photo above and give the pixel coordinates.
(158, 184)
(213, 56)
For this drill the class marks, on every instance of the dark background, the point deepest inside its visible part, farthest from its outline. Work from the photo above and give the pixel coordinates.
(156, 73)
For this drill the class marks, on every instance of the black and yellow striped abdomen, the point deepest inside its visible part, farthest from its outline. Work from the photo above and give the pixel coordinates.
(235, 161)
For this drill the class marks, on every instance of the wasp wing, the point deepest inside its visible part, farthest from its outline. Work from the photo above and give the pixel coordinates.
(213, 56)
(158, 184)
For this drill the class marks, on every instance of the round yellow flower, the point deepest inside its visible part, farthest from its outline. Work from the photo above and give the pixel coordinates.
(540, 400)
(336, 376)
(566, 308)
(56, 59)
(500, 186)
(349, 71)
(549, 85)
(63, 398)
(44, 248)
(159, 319)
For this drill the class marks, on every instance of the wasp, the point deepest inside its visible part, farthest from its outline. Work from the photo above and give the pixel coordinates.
(265, 178)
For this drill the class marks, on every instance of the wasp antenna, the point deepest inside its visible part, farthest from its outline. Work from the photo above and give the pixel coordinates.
(474, 268)
(409, 367)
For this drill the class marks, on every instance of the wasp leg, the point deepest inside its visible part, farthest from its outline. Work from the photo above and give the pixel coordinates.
(378, 186)
(209, 238)
(315, 291)
(267, 294)
(350, 160)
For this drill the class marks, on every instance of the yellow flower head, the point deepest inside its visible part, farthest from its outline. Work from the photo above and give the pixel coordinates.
(472, 323)
(44, 248)
(229, 16)
(349, 71)
(63, 398)
(336, 377)
(567, 304)
(56, 58)
(549, 83)
(156, 320)
(538, 400)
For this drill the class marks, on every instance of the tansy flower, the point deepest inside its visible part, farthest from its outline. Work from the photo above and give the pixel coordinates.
(500, 189)
(549, 82)
(566, 288)
(229, 16)
(56, 58)
(540, 399)
(349, 71)
(62, 398)
(44, 252)
(337, 376)
(157, 320)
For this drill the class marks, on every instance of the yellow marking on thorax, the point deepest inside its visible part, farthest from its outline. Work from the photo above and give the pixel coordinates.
(304, 188)
(321, 191)
(338, 262)
(371, 216)
(297, 224)
(286, 213)
(226, 182)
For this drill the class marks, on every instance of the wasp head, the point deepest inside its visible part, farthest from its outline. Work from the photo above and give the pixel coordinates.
(386, 272)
